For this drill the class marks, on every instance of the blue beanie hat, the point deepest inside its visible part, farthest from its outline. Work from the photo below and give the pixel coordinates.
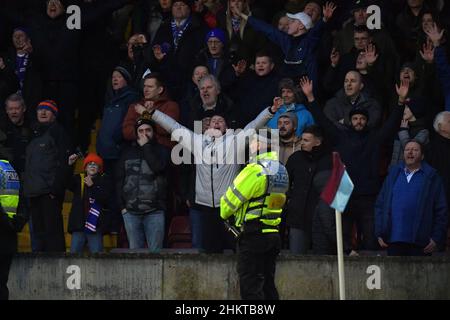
(23, 29)
(216, 33)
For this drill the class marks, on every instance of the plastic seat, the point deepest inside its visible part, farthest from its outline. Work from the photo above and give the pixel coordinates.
(180, 233)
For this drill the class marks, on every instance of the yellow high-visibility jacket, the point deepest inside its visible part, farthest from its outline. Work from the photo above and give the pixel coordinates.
(257, 193)
(9, 188)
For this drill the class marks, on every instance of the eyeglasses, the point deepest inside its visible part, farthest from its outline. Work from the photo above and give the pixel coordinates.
(92, 164)
(179, 4)
(214, 42)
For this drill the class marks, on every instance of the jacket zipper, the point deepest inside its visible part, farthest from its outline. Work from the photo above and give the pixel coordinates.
(212, 180)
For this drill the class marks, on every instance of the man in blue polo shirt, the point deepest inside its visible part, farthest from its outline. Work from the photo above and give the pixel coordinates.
(411, 209)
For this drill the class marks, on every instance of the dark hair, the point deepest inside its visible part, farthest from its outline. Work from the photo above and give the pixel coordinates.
(434, 15)
(361, 29)
(264, 53)
(158, 78)
(315, 130)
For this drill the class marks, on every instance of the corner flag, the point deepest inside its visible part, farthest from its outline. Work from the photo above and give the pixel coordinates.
(339, 187)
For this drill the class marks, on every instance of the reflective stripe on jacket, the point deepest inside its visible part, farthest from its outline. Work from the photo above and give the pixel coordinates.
(9, 188)
(257, 194)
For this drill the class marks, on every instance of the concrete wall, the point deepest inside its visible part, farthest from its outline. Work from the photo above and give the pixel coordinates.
(200, 276)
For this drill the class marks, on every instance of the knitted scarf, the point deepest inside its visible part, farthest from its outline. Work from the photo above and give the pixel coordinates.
(177, 32)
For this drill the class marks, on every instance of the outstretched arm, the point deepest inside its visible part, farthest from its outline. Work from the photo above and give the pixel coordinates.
(327, 125)
(188, 139)
(280, 38)
(391, 126)
(440, 59)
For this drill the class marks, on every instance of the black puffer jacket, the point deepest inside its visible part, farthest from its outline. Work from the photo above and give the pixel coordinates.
(302, 167)
(46, 161)
(141, 178)
(100, 191)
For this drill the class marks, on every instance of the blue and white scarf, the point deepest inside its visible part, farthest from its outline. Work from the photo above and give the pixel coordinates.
(236, 24)
(92, 219)
(177, 32)
(21, 68)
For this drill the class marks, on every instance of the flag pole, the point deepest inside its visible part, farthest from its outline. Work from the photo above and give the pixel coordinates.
(340, 254)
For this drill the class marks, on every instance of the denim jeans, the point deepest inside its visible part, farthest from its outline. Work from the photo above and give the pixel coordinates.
(299, 241)
(197, 221)
(145, 227)
(79, 239)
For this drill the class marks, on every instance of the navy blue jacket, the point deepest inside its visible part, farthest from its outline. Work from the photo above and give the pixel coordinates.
(443, 70)
(430, 218)
(110, 139)
(299, 54)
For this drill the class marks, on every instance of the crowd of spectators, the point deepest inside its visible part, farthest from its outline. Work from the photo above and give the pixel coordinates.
(149, 68)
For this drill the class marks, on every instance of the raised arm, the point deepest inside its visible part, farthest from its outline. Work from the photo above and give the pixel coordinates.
(260, 121)
(179, 133)
(280, 38)
(391, 126)
(327, 125)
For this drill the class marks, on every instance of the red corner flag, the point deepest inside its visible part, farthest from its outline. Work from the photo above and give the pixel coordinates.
(339, 187)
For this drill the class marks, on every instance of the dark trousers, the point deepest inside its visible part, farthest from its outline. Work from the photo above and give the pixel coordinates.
(257, 254)
(324, 230)
(48, 223)
(5, 264)
(360, 210)
(405, 249)
(208, 230)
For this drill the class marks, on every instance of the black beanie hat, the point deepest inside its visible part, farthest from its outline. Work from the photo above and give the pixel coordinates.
(125, 74)
(357, 110)
(145, 120)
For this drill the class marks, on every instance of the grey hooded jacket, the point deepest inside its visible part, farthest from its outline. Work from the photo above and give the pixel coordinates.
(218, 160)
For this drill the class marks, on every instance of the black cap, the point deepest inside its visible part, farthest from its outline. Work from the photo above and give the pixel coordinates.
(358, 110)
(360, 4)
(144, 120)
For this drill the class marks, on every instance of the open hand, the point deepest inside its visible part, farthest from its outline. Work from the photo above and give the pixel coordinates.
(434, 34)
(371, 54)
(402, 90)
(328, 10)
(307, 88)
(427, 52)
